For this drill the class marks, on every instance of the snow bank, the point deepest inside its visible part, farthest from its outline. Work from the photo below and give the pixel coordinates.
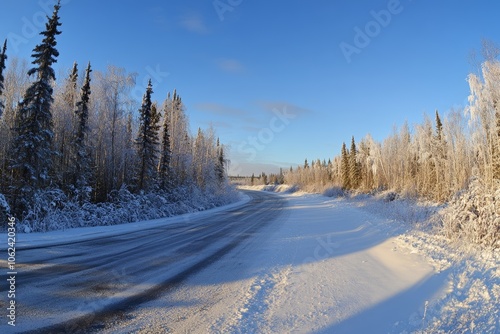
(279, 188)
(54, 211)
(470, 301)
(79, 234)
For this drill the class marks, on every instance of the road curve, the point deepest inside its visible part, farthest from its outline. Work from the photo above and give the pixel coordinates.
(78, 287)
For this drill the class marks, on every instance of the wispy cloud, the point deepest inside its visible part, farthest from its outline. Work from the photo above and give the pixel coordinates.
(194, 23)
(231, 65)
(219, 109)
(270, 106)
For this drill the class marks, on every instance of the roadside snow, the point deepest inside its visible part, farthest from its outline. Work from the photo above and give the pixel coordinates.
(28, 240)
(342, 265)
(328, 265)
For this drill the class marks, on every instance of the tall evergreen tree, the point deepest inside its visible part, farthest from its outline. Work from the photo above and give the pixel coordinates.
(219, 167)
(344, 168)
(147, 141)
(164, 167)
(81, 158)
(32, 149)
(354, 168)
(439, 127)
(3, 58)
(439, 154)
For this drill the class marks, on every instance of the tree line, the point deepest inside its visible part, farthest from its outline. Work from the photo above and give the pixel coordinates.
(82, 135)
(453, 159)
(434, 159)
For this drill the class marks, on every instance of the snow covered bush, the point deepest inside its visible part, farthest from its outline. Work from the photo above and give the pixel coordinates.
(52, 210)
(474, 215)
(45, 203)
(334, 192)
(387, 196)
(4, 210)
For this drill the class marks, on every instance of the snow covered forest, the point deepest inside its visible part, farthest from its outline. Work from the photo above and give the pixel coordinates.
(453, 160)
(80, 151)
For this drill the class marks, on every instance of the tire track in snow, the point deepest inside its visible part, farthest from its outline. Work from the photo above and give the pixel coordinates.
(265, 291)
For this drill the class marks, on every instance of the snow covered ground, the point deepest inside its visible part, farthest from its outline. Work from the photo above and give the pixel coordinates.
(329, 265)
(333, 266)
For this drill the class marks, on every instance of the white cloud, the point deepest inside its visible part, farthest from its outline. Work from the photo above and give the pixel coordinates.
(194, 23)
(219, 109)
(283, 105)
(231, 66)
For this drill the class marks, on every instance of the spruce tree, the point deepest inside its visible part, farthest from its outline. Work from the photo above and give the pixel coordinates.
(344, 168)
(147, 141)
(164, 168)
(219, 167)
(32, 149)
(354, 168)
(81, 158)
(3, 58)
(439, 154)
(439, 127)
(264, 178)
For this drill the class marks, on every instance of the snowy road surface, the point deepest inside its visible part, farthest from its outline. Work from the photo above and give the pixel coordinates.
(277, 264)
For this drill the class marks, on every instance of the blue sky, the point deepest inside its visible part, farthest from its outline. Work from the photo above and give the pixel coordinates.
(272, 76)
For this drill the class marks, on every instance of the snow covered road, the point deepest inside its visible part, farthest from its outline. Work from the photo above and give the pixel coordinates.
(80, 286)
(326, 267)
(278, 264)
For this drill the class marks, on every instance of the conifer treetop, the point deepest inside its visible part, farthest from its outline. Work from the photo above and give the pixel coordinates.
(45, 54)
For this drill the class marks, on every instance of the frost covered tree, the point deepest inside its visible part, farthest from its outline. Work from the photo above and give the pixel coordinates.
(440, 157)
(354, 168)
(496, 138)
(344, 168)
(220, 165)
(164, 166)
(180, 141)
(147, 141)
(81, 171)
(16, 83)
(32, 149)
(65, 97)
(110, 107)
(3, 58)
(483, 110)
